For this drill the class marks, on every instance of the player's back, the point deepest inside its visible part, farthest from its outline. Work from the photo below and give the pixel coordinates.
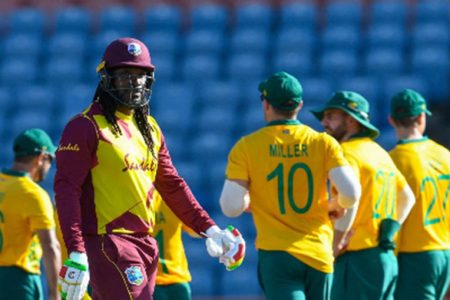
(288, 165)
(380, 181)
(426, 166)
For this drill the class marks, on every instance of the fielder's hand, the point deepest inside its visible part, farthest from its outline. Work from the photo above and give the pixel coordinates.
(226, 244)
(74, 277)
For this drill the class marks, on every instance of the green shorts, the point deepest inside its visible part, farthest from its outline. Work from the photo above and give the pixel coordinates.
(181, 291)
(15, 283)
(282, 276)
(423, 275)
(365, 274)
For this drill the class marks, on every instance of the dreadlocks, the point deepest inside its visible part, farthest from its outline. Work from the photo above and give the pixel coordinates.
(140, 115)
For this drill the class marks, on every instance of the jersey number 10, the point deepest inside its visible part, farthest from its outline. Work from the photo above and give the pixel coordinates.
(279, 172)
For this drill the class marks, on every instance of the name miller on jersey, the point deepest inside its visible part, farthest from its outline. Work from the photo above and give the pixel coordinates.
(287, 151)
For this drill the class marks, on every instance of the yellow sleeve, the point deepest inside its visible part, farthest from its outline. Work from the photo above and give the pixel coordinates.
(237, 167)
(334, 152)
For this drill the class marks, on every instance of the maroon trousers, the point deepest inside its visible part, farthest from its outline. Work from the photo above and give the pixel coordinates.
(122, 266)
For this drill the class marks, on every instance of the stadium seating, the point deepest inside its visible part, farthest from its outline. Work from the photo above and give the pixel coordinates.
(257, 15)
(208, 16)
(344, 13)
(295, 39)
(22, 45)
(117, 17)
(72, 19)
(294, 62)
(392, 12)
(200, 68)
(204, 41)
(162, 17)
(303, 15)
(28, 20)
(381, 62)
(253, 41)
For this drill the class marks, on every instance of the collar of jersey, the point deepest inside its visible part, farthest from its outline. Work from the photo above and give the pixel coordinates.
(408, 141)
(123, 116)
(284, 122)
(14, 173)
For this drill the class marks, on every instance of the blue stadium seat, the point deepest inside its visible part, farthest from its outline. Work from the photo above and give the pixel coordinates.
(190, 171)
(336, 37)
(344, 14)
(22, 45)
(63, 71)
(220, 94)
(216, 119)
(118, 17)
(215, 176)
(163, 17)
(250, 41)
(15, 72)
(295, 39)
(73, 100)
(161, 42)
(389, 12)
(299, 15)
(316, 90)
(381, 62)
(199, 68)
(338, 63)
(175, 97)
(254, 15)
(209, 16)
(25, 119)
(166, 67)
(431, 34)
(433, 64)
(247, 67)
(386, 36)
(30, 20)
(200, 42)
(204, 280)
(296, 63)
(210, 147)
(39, 97)
(253, 119)
(72, 19)
(432, 10)
(6, 100)
(71, 45)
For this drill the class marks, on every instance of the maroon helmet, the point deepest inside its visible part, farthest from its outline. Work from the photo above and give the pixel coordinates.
(125, 53)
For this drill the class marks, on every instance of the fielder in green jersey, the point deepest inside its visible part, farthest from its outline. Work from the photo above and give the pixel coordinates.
(366, 267)
(280, 174)
(424, 242)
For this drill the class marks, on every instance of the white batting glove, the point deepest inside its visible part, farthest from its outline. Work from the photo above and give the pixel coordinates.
(214, 241)
(74, 277)
(226, 244)
(235, 245)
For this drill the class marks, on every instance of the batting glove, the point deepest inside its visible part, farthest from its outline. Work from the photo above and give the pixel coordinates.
(235, 243)
(74, 277)
(226, 244)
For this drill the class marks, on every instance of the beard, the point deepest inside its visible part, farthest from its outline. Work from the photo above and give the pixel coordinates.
(40, 174)
(338, 133)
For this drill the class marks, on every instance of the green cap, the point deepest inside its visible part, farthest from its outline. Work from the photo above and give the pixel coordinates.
(33, 142)
(282, 90)
(355, 105)
(408, 103)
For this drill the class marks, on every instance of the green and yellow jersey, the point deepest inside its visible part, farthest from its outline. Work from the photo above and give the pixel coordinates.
(426, 167)
(286, 165)
(380, 183)
(24, 209)
(172, 264)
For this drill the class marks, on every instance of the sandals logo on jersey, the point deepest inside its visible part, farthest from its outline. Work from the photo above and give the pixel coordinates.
(134, 275)
(69, 147)
(136, 164)
(134, 49)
